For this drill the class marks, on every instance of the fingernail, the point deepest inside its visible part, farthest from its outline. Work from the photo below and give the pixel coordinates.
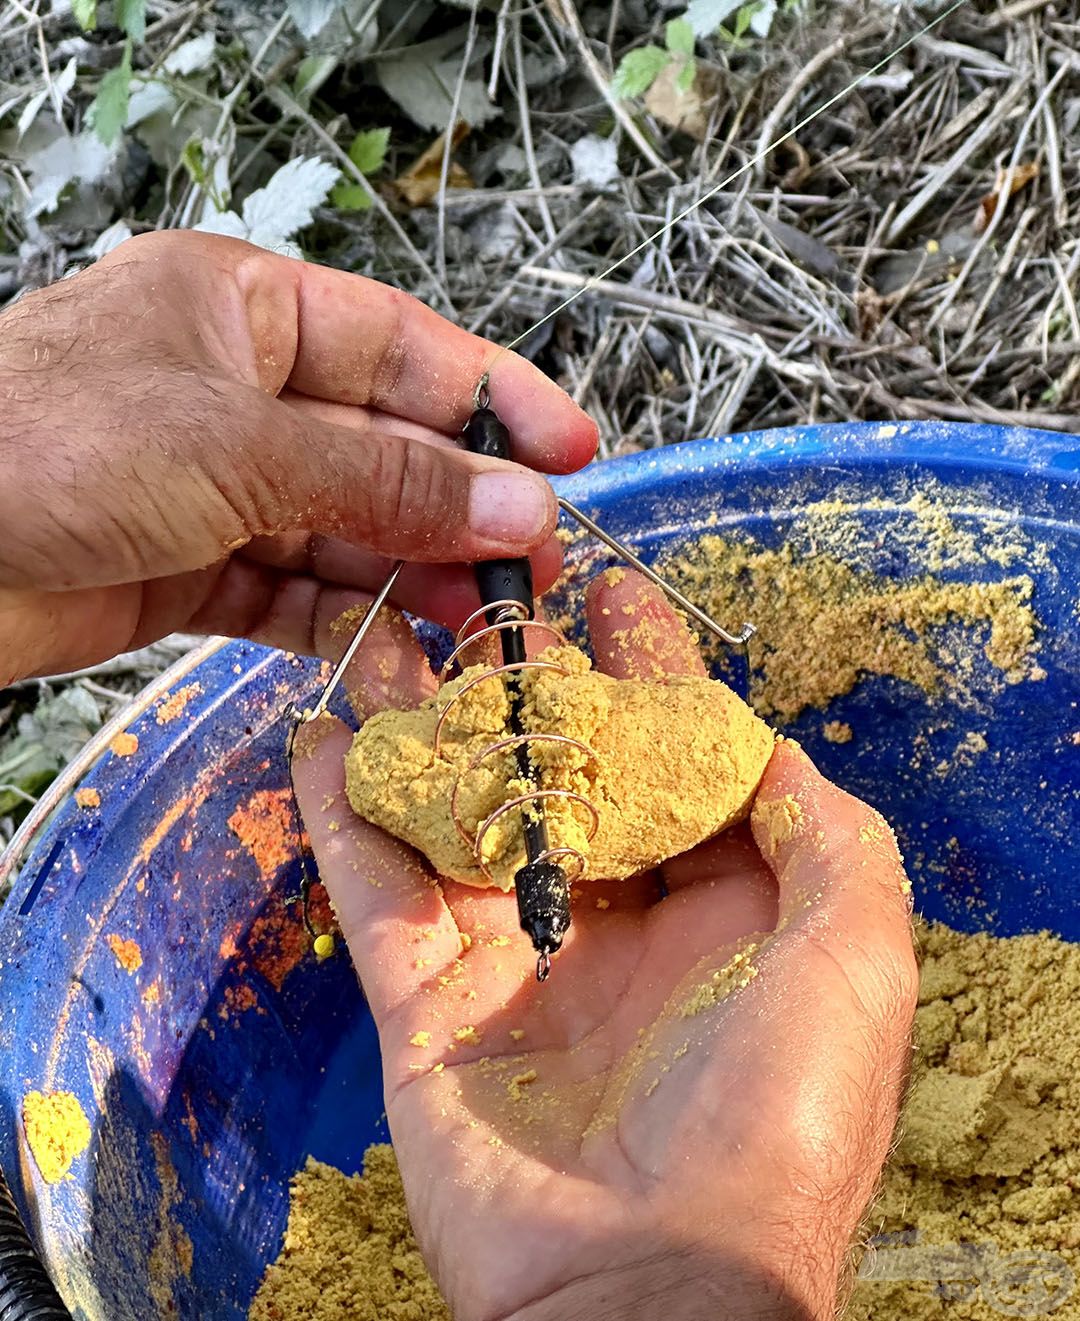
(509, 506)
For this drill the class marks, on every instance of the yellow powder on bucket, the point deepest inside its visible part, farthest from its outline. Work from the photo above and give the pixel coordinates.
(57, 1131)
(349, 1252)
(823, 623)
(669, 763)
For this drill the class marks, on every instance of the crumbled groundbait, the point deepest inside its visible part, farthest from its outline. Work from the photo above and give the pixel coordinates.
(823, 623)
(987, 1170)
(349, 1252)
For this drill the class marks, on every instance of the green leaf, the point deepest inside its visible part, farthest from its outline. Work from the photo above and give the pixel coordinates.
(193, 159)
(85, 12)
(311, 73)
(368, 150)
(131, 17)
(742, 20)
(111, 103)
(350, 197)
(638, 70)
(685, 81)
(679, 36)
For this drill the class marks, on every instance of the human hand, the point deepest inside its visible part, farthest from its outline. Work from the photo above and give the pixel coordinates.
(201, 435)
(639, 1137)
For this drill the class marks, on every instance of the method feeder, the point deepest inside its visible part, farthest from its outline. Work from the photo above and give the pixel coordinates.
(542, 884)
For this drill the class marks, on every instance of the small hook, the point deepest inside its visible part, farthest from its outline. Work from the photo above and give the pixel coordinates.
(543, 967)
(482, 395)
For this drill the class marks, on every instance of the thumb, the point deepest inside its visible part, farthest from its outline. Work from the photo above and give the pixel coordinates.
(841, 961)
(404, 497)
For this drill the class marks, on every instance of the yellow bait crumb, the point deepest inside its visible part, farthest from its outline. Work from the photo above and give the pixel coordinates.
(517, 1033)
(517, 1082)
(126, 952)
(603, 903)
(125, 745)
(735, 975)
(837, 731)
(781, 818)
(499, 942)
(88, 797)
(467, 1035)
(323, 946)
(57, 1131)
(421, 1039)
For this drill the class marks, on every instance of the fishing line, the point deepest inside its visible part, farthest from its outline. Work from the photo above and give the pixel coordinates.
(725, 183)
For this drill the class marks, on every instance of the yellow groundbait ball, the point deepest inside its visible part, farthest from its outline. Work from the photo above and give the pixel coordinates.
(324, 947)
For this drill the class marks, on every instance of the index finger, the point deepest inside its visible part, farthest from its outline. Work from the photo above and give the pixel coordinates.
(356, 341)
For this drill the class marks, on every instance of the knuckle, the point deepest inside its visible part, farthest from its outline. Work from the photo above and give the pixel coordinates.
(421, 501)
(391, 352)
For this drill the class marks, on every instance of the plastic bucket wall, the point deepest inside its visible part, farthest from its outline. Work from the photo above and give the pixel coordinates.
(211, 1071)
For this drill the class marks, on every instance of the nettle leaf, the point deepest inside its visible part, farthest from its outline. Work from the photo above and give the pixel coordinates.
(595, 160)
(85, 12)
(368, 149)
(705, 16)
(287, 203)
(274, 213)
(64, 161)
(679, 36)
(131, 17)
(351, 197)
(58, 89)
(762, 19)
(311, 16)
(110, 106)
(638, 70)
(191, 56)
(117, 233)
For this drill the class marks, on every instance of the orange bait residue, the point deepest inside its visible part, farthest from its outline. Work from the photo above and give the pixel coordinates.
(168, 820)
(126, 952)
(57, 1131)
(278, 942)
(88, 797)
(173, 706)
(267, 827)
(238, 999)
(125, 745)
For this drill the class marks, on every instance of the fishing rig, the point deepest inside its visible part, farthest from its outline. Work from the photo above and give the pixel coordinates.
(508, 612)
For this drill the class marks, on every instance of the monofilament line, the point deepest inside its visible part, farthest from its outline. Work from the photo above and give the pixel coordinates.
(729, 180)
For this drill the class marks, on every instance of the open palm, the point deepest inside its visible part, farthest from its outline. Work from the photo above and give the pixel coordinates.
(708, 1082)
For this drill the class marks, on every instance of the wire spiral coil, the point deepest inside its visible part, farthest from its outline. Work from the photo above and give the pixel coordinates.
(510, 614)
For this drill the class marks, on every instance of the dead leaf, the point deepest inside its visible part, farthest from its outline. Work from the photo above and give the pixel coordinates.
(808, 251)
(419, 185)
(1008, 182)
(689, 111)
(800, 169)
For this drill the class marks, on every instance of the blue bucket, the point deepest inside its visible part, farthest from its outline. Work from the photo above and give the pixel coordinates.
(213, 1069)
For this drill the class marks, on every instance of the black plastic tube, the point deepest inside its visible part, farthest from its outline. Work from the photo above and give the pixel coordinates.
(26, 1292)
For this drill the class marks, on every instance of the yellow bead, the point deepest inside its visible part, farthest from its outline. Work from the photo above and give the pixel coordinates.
(324, 946)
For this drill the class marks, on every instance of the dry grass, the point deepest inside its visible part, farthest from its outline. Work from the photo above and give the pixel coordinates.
(858, 273)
